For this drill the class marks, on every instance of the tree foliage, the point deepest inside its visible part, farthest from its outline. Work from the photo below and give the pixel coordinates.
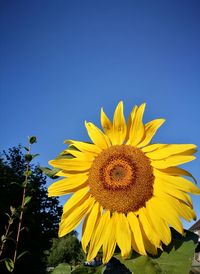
(41, 216)
(65, 250)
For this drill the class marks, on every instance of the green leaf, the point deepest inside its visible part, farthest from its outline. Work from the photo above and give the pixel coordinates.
(35, 155)
(3, 238)
(21, 254)
(9, 264)
(11, 239)
(28, 157)
(24, 228)
(88, 270)
(24, 184)
(27, 200)
(62, 268)
(26, 148)
(176, 258)
(10, 221)
(12, 209)
(32, 140)
(14, 183)
(27, 173)
(116, 267)
(7, 215)
(51, 173)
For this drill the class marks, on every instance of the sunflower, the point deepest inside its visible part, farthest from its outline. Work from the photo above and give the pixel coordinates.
(127, 191)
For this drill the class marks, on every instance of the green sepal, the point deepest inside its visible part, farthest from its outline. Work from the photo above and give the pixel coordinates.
(65, 156)
(51, 173)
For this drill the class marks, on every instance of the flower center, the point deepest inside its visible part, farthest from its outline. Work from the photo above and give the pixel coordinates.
(121, 178)
(117, 173)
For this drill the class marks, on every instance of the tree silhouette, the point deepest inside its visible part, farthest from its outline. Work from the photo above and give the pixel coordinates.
(41, 216)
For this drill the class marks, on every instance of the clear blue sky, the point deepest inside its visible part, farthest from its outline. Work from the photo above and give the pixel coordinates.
(61, 61)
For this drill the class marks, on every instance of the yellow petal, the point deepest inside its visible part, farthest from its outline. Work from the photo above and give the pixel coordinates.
(173, 160)
(97, 136)
(130, 121)
(71, 164)
(177, 171)
(182, 209)
(106, 125)
(72, 220)
(165, 210)
(133, 244)
(170, 150)
(152, 147)
(67, 185)
(186, 212)
(69, 173)
(135, 227)
(89, 224)
(189, 152)
(161, 188)
(148, 227)
(137, 127)
(110, 241)
(123, 234)
(119, 125)
(81, 155)
(150, 130)
(177, 182)
(149, 247)
(85, 147)
(98, 236)
(76, 199)
(161, 227)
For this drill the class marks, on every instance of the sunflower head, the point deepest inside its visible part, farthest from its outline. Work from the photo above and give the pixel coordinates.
(127, 191)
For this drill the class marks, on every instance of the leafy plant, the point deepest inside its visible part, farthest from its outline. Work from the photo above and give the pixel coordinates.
(18, 214)
(40, 214)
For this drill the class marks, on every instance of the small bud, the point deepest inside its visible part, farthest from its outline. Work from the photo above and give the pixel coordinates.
(32, 140)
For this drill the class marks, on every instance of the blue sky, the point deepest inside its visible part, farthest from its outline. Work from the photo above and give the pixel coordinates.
(61, 61)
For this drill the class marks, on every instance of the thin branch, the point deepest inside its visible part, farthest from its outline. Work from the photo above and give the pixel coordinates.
(6, 234)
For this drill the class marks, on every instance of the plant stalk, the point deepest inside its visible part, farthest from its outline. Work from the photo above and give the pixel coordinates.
(22, 209)
(6, 234)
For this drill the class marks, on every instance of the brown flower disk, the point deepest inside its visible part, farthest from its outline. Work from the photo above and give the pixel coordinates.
(121, 178)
